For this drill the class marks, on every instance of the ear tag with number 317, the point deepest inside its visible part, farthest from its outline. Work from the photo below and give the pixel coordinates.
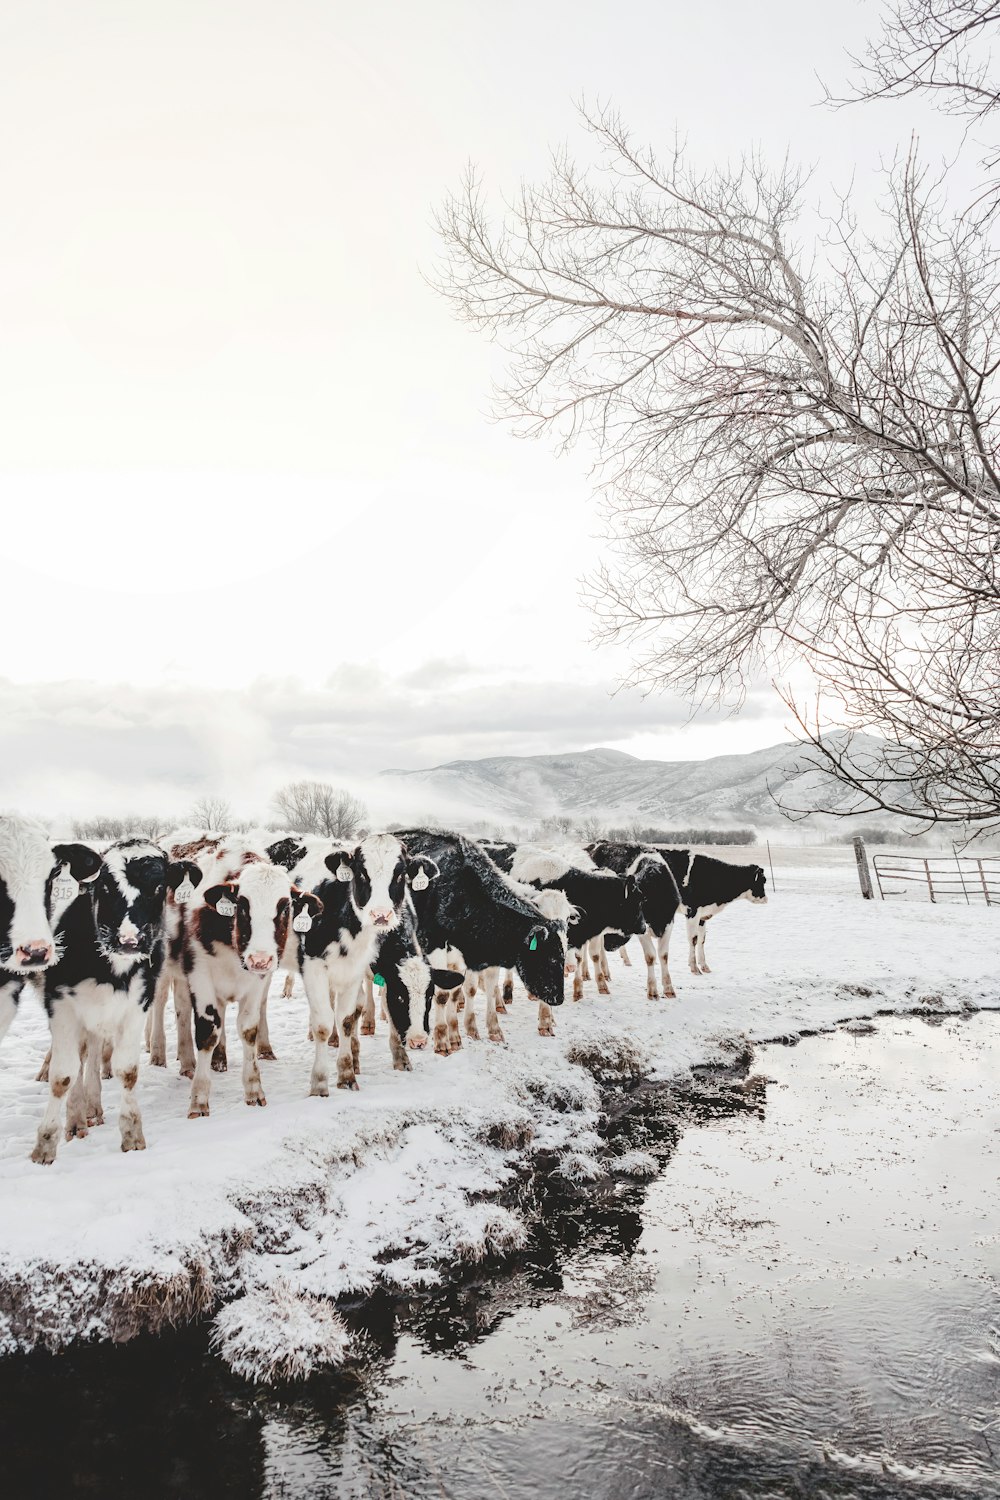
(302, 922)
(225, 907)
(65, 888)
(185, 890)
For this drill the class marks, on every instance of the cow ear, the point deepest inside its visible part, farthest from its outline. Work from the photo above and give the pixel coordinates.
(421, 871)
(83, 861)
(537, 935)
(629, 886)
(339, 865)
(306, 901)
(221, 898)
(180, 871)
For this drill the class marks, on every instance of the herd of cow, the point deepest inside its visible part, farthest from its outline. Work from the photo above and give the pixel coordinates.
(426, 918)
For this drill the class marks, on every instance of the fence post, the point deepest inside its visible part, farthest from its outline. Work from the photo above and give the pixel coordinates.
(930, 883)
(961, 875)
(864, 874)
(982, 878)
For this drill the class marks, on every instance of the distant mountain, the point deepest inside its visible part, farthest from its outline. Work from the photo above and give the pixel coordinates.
(725, 791)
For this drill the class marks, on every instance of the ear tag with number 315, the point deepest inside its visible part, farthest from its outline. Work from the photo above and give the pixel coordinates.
(225, 907)
(65, 888)
(302, 922)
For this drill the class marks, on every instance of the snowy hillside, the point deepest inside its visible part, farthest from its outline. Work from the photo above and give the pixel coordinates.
(727, 790)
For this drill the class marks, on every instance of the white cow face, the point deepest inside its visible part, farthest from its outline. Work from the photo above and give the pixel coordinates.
(33, 872)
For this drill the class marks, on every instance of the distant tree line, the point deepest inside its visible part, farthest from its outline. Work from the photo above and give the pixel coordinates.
(298, 807)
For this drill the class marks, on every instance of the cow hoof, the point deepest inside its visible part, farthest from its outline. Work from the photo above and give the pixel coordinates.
(265, 1052)
(220, 1065)
(417, 1042)
(79, 1129)
(501, 1008)
(471, 1028)
(257, 1099)
(94, 1120)
(460, 1004)
(548, 1030)
(198, 1111)
(158, 1058)
(44, 1153)
(187, 1071)
(134, 1142)
(334, 1041)
(670, 994)
(442, 1049)
(402, 1063)
(705, 969)
(455, 1044)
(367, 1028)
(496, 1035)
(42, 1076)
(319, 1089)
(603, 988)
(351, 1084)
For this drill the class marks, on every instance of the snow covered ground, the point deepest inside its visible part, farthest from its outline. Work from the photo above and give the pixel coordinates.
(265, 1213)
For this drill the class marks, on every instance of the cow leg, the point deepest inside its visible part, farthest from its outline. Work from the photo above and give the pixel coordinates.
(289, 985)
(623, 950)
(696, 944)
(264, 1049)
(441, 1022)
(92, 1084)
(648, 943)
(76, 1099)
(451, 1011)
(600, 961)
(468, 991)
(702, 960)
(156, 1035)
(248, 1021)
(368, 1010)
(10, 994)
(220, 1058)
(321, 1024)
(184, 1022)
(208, 1013)
(490, 980)
(63, 1068)
(578, 973)
(508, 987)
(348, 1014)
(663, 949)
(492, 1024)
(106, 1049)
(42, 1076)
(546, 1021)
(125, 1066)
(583, 962)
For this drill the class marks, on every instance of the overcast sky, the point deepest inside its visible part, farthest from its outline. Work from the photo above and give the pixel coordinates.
(258, 520)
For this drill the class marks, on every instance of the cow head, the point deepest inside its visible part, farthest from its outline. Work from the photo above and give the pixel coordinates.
(129, 893)
(541, 961)
(378, 871)
(261, 902)
(756, 891)
(30, 866)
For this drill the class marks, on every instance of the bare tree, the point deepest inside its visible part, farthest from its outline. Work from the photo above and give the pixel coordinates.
(106, 826)
(940, 49)
(318, 807)
(213, 814)
(798, 452)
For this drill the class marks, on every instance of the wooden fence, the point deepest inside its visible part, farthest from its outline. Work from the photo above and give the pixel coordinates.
(940, 877)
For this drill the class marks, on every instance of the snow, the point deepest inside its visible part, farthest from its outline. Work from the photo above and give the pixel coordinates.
(261, 1217)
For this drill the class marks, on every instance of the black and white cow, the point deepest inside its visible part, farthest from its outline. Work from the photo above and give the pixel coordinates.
(38, 880)
(110, 953)
(603, 900)
(660, 875)
(363, 891)
(711, 885)
(473, 918)
(224, 949)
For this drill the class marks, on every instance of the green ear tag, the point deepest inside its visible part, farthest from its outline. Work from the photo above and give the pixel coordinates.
(379, 981)
(533, 944)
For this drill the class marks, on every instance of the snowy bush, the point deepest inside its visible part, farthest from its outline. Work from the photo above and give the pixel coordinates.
(278, 1334)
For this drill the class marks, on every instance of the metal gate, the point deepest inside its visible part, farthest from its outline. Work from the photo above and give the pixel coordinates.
(940, 877)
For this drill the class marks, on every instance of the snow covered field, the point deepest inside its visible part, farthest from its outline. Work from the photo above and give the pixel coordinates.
(263, 1213)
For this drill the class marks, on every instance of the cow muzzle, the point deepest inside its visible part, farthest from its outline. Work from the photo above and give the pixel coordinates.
(259, 963)
(384, 917)
(33, 955)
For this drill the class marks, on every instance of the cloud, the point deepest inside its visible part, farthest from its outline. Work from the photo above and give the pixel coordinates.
(77, 747)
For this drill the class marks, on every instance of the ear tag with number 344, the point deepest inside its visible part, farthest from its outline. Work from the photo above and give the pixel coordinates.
(185, 890)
